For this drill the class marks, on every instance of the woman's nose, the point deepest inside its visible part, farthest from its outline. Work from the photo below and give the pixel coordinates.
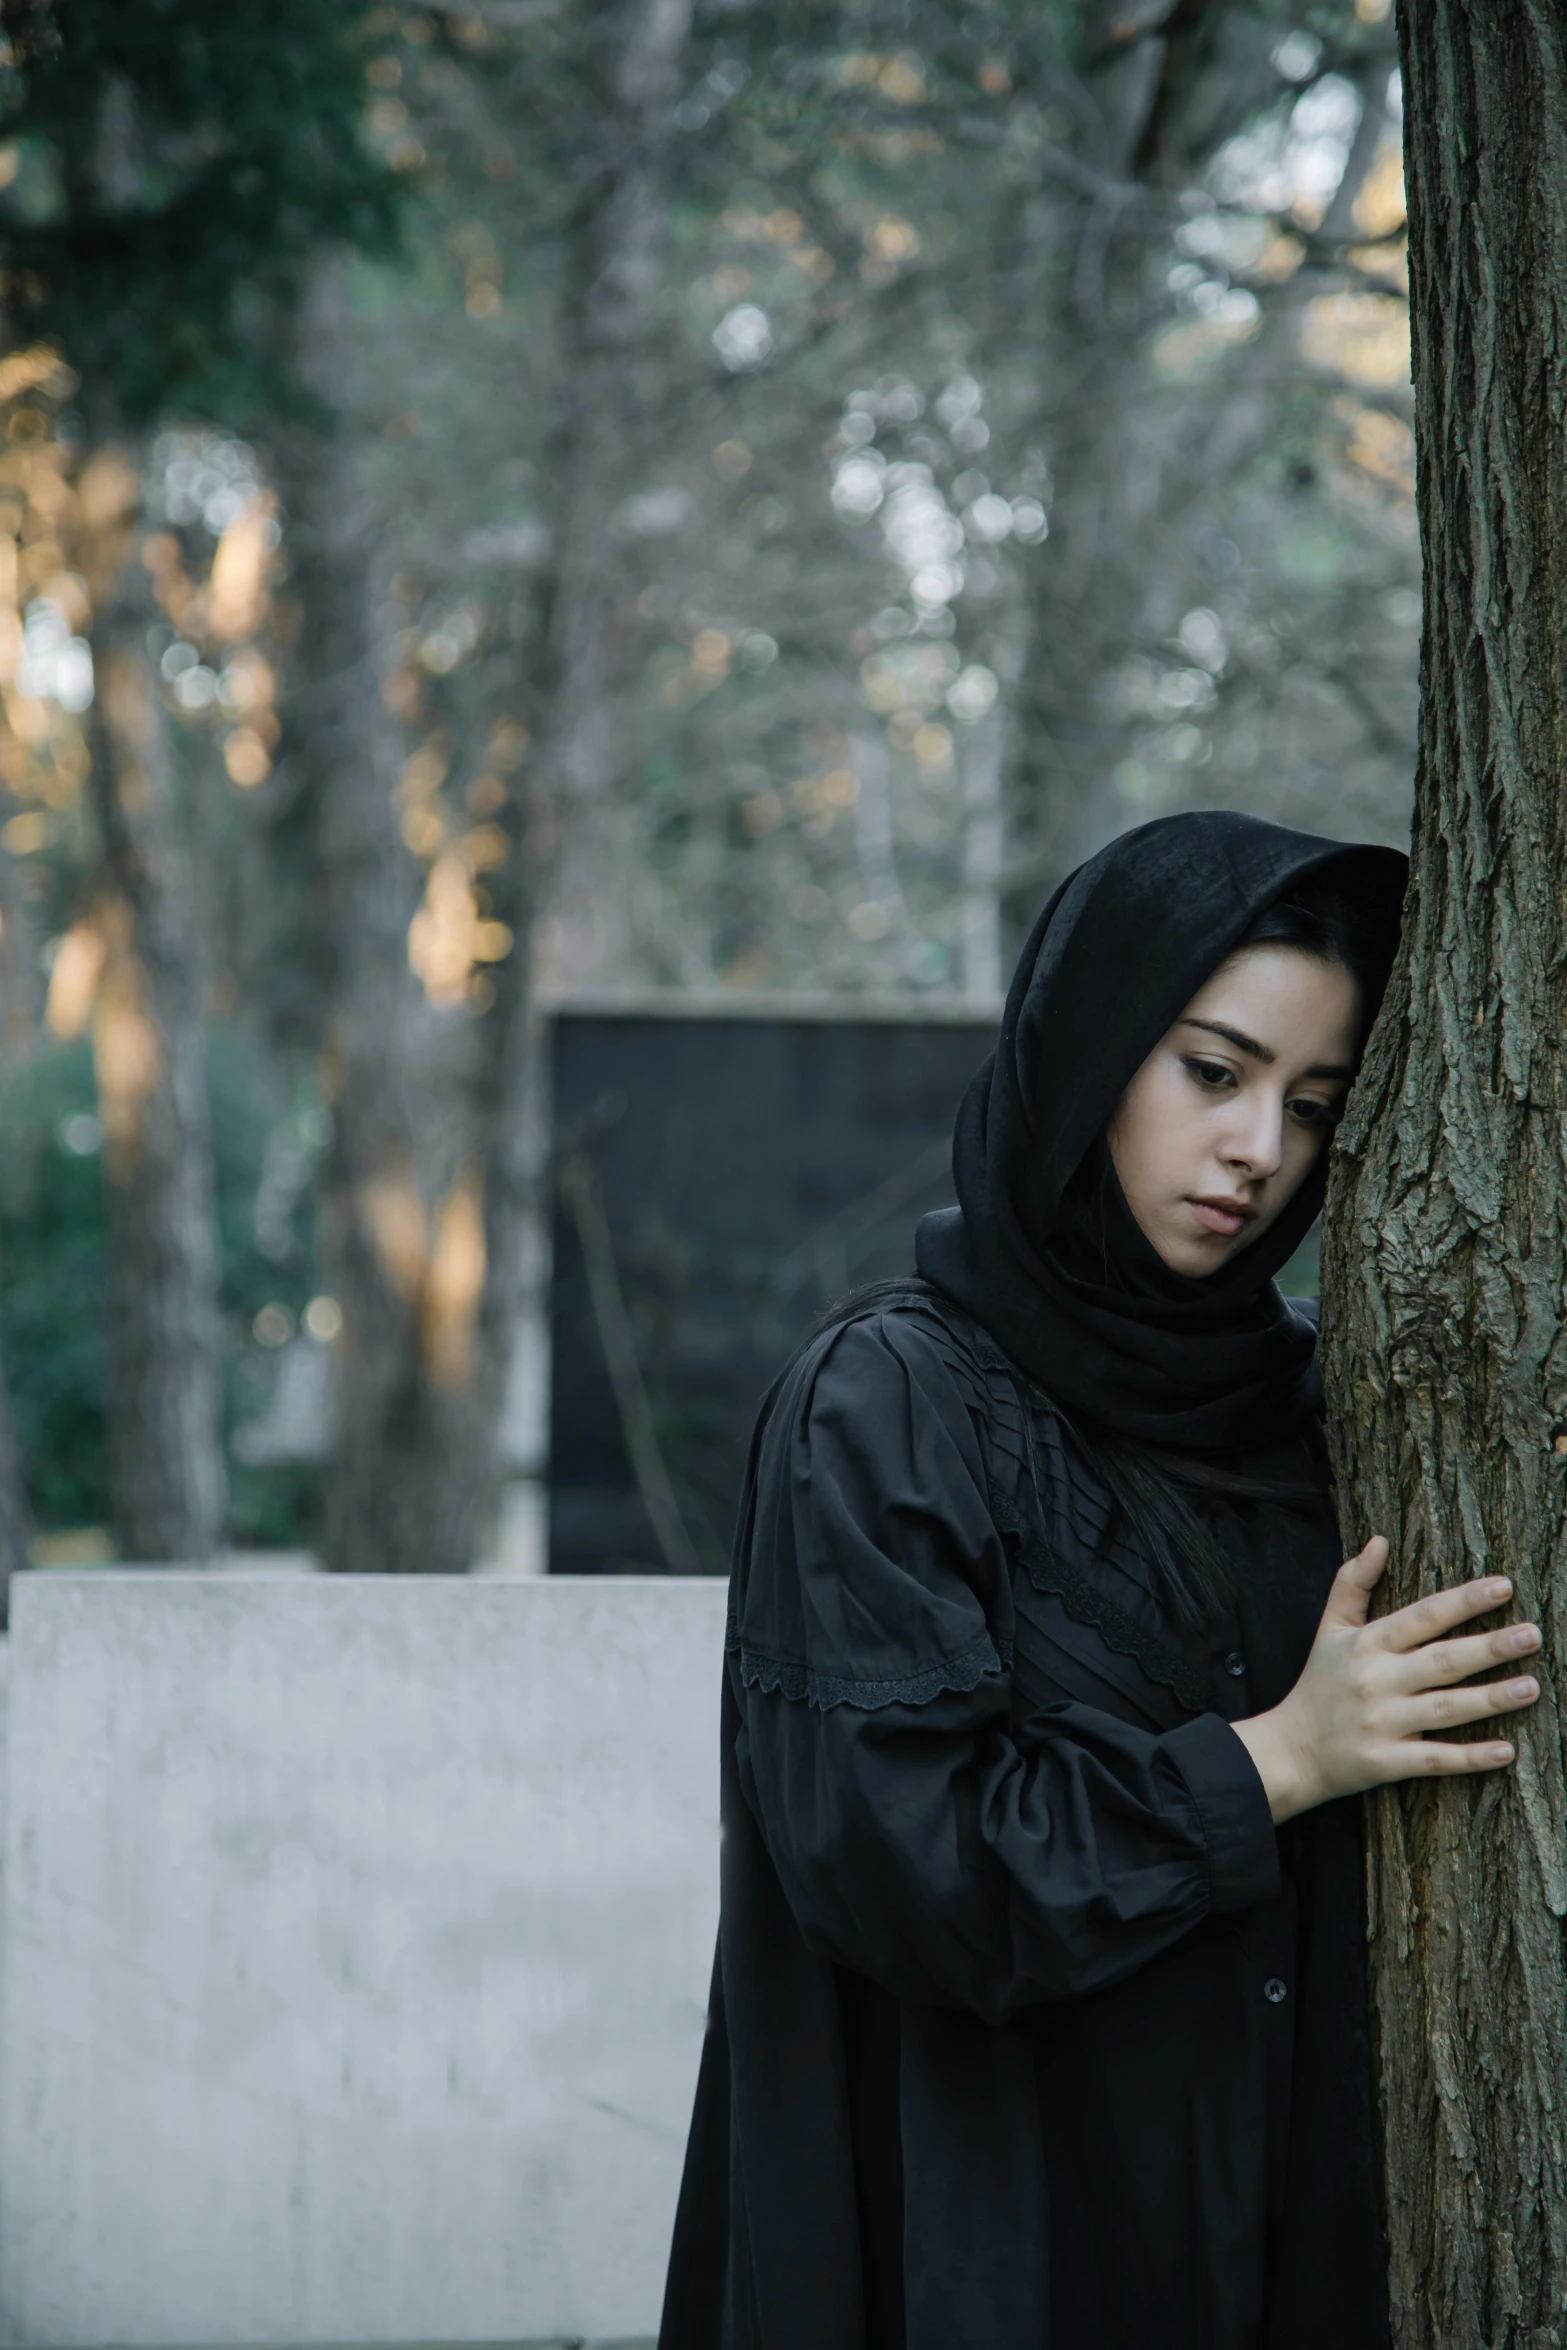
(1256, 1141)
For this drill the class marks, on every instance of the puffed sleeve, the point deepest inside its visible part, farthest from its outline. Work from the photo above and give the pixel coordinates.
(915, 1839)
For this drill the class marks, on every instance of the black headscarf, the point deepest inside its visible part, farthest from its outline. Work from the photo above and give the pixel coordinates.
(1084, 1303)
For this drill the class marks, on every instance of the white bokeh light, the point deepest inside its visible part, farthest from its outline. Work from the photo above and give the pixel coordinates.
(743, 338)
(54, 665)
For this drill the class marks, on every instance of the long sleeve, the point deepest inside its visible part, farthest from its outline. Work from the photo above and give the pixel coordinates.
(916, 1839)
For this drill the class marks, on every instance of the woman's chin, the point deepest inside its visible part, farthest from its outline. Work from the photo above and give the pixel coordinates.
(1195, 1263)
(1197, 1253)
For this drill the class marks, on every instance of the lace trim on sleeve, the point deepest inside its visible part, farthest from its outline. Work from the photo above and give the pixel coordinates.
(790, 1677)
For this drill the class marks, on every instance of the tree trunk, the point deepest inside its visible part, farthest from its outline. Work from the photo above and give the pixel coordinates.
(1447, 1222)
(982, 764)
(14, 1523)
(431, 1257)
(21, 989)
(611, 381)
(613, 375)
(398, 1211)
(168, 1487)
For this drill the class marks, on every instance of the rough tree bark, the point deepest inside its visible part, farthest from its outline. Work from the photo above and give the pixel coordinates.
(1447, 1221)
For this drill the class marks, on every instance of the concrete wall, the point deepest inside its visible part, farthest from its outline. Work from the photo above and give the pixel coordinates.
(353, 1954)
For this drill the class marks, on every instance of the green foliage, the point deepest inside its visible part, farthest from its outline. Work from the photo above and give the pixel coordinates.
(183, 164)
(54, 1272)
(1302, 1276)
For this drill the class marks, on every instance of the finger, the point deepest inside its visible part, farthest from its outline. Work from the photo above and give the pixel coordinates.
(1443, 1662)
(1354, 1583)
(1448, 1709)
(1434, 1758)
(1427, 1619)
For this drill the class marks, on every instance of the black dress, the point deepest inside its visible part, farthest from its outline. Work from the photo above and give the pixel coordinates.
(1028, 2029)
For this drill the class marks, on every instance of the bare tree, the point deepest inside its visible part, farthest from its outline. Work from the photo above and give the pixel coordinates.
(435, 1175)
(167, 1479)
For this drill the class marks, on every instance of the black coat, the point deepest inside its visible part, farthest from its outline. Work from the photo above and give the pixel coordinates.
(1028, 2029)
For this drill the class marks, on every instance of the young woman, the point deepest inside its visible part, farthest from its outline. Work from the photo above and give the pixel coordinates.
(1038, 2021)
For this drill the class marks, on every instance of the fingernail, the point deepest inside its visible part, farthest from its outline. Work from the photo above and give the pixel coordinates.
(1500, 1753)
(1523, 1639)
(1521, 1689)
(1500, 1585)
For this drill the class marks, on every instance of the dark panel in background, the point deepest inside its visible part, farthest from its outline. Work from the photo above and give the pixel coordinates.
(749, 1170)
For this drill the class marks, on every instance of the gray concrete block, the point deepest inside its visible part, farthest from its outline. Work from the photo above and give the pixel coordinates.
(356, 1937)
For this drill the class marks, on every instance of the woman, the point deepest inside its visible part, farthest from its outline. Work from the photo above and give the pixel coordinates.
(1038, 2021)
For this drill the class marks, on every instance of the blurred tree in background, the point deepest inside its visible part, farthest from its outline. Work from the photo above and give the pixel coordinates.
(172, 178)
(806, 475)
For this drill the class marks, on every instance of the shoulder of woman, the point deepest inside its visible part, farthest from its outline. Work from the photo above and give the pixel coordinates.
(910, 1349)
(870, 1560)
(874, 1445)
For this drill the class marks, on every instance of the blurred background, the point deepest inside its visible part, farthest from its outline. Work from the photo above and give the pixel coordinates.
(570, 578)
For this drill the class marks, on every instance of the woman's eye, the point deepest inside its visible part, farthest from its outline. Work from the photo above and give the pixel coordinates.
(1212, 1076)
(1310, 1113)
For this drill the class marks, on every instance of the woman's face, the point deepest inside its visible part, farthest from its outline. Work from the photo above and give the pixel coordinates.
(1227, 1116)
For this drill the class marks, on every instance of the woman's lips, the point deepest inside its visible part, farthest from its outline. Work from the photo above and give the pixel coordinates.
(1222, 1217)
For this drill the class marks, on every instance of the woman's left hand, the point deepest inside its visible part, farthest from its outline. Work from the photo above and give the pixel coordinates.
(1360, 1714)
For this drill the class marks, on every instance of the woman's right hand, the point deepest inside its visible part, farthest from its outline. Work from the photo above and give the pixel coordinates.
(1358, 1715)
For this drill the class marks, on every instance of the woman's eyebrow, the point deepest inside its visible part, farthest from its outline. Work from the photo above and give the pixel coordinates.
(1235, 1036)
(1260, 1052)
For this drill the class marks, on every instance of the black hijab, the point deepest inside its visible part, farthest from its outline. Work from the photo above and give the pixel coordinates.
(1083, 1301)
